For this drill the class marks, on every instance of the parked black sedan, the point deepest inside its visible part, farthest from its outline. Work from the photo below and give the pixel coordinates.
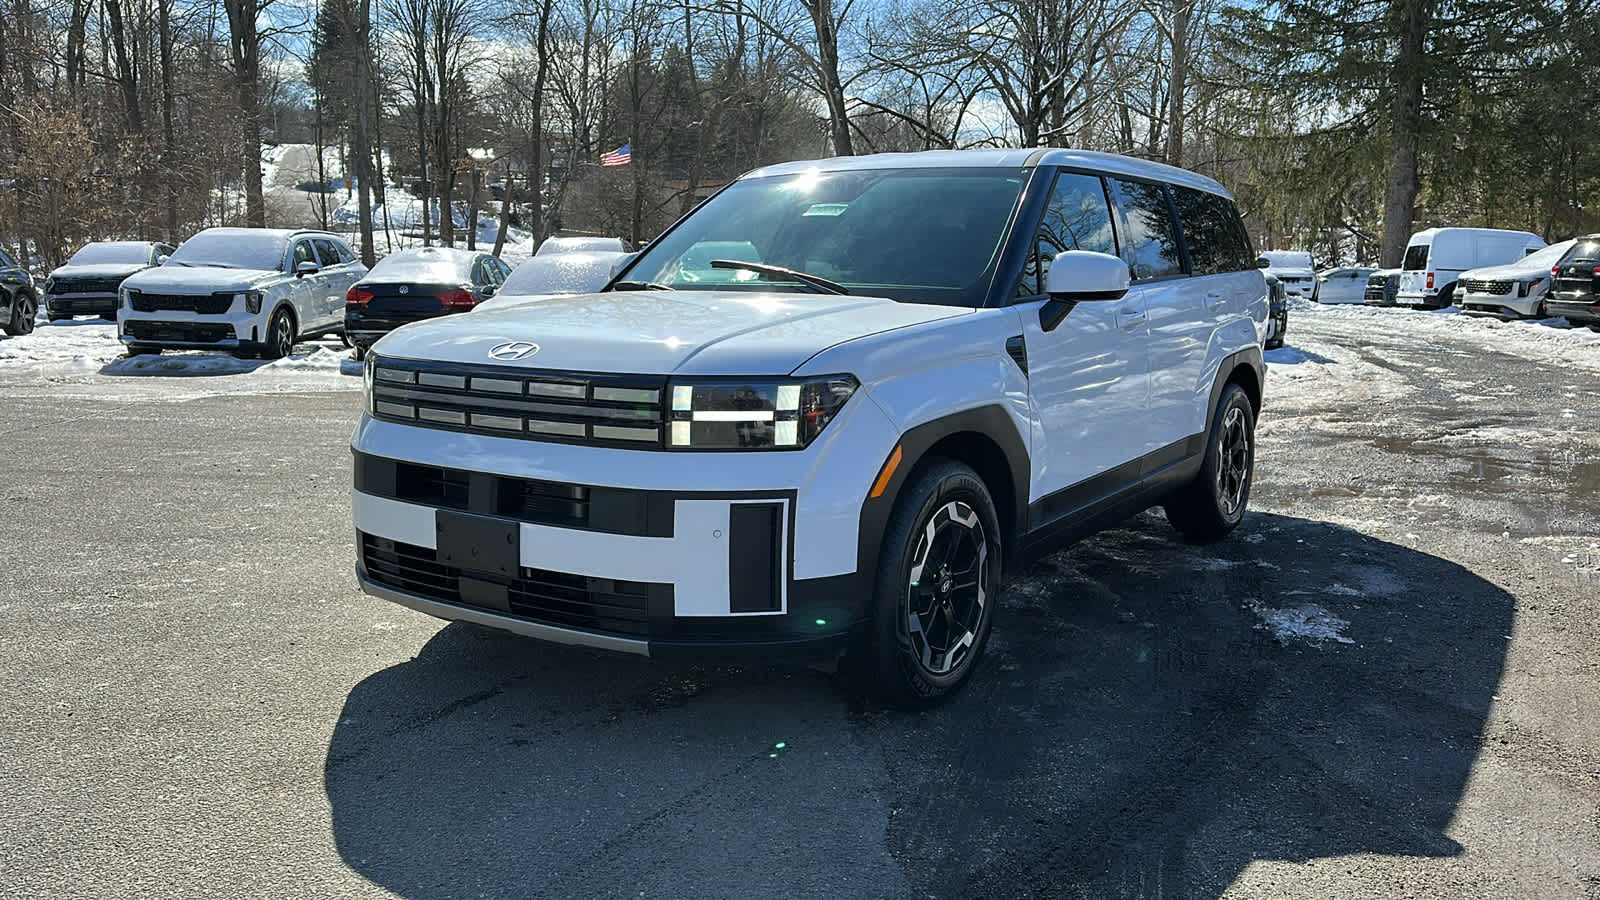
(19, 305)
(418, 284)
(1575, 284)
(87, 285)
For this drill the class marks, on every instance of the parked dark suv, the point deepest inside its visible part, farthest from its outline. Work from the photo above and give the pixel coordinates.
(19, 304)
(1575, 284)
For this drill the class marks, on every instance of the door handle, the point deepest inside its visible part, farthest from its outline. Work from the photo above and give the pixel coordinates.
(1215, 301)
(1129, 318)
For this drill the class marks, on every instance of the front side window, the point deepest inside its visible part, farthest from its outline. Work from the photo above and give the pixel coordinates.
(1076, 217)
(1149, 238)
(1211, 231)
(927, 235)
(302, 254)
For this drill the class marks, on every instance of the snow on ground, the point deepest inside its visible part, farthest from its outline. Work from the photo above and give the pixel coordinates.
(86, 350)
(1306, 622)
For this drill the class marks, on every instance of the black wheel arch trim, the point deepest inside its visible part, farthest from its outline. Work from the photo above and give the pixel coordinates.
(991, 422)
(1250, 359)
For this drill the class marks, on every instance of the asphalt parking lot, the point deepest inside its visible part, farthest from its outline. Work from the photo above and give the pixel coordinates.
(1385, 683)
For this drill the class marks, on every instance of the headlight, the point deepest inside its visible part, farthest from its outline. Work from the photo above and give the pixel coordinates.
(753, 414)
(1529, 288)
(250, 299)
(366, 381)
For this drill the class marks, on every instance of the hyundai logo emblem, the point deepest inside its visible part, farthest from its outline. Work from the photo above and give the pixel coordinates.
(513, 350)
(405, 288)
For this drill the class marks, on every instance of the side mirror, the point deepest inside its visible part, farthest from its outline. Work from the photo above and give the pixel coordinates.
(1263, 263)
(162, 259)
(1078, 276)
(306, 268)
(488, 291)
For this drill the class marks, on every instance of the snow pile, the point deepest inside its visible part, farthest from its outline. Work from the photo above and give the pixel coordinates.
(1551, 341)
(1306, 622)
(80, 345)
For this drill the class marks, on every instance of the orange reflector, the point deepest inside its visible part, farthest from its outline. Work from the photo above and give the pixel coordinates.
(882, 484)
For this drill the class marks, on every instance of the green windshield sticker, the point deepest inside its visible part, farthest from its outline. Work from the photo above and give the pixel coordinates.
(826, 209)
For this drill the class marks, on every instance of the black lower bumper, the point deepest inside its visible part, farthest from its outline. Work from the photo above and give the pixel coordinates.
(1578, 312)
(81, 306)
(179, 333)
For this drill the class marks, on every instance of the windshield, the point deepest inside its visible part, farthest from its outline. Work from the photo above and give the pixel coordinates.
(430, 265)
(111, 253)
(915, 235)
(1287, 259)
(1416, 258)
(232, 250)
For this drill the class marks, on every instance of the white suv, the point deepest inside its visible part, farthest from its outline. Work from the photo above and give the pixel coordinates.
(823, 412)
(250, 290)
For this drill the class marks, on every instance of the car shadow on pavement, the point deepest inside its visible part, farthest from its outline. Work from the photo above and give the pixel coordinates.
(1150, 719)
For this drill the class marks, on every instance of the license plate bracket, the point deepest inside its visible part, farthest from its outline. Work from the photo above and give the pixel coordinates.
(482, 544)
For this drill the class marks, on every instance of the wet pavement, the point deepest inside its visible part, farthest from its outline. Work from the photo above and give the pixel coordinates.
(1384, 682)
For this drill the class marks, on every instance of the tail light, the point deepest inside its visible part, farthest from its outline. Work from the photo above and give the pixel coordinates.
(1555, 270)
(357, 297)
(458, 298)
(1430, 281)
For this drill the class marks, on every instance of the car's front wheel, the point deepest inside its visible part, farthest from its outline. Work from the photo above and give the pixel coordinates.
(280, 336)
(938, 583)
(23, 311)
(1213, 504)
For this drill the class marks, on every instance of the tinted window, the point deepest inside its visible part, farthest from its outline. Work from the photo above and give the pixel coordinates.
(1076, 217)
(1211, 232)
(302, 254)
(1416, 258)
(1149, 243)
(925, 235)
(1587, 250)
(326, 250)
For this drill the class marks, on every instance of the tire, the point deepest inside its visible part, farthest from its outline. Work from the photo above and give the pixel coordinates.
(944, 509)
(1214, 503)
(344, 338)
(23, 310)
(1274, 344)
(280, 336)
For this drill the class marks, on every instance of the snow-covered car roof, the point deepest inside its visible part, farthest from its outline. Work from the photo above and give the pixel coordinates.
(584, 244)
(560, 273)
(1015, 158)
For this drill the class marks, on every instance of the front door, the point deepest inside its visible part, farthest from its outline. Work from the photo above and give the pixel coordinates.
(1088, 377)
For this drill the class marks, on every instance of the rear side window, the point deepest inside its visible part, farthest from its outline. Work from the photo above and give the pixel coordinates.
(1149, 237)
(1077, 217)
(1416, 258)
(325, 249)
(1212, 232)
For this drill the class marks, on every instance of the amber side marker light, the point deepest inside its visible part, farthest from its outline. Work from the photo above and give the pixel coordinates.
(882, 484)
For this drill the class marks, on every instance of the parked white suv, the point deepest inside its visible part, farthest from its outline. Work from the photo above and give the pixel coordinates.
(1514, 290)
(249, 290)
(910, 372)
(1294, 269)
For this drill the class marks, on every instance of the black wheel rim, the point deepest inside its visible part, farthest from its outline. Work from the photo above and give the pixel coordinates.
(282, 341)
(1233, 461)
(947, 588)
(25, 315)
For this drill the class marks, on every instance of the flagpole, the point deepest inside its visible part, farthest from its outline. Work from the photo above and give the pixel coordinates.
(633, 164)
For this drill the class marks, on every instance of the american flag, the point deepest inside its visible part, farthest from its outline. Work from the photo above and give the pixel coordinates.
(618, 157)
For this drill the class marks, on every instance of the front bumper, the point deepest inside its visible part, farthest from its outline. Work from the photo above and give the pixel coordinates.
(80, 304)
(1501, 305)
(703, 555)
(222, 331)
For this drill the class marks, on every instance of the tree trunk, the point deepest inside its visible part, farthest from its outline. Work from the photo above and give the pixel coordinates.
(833, 88)
(1177, 79)
(169, 140)
(245, 47)
(1400, 194)
(361, 151)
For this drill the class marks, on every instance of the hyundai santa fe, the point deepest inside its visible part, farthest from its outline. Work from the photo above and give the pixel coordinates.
(824, 412)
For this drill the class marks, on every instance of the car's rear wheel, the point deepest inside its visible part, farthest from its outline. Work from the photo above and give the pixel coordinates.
(23, 310)
(1214, 503)
(937, 587)
(280, 336)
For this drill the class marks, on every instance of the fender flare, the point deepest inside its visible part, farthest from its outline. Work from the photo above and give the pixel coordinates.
(1249, 358)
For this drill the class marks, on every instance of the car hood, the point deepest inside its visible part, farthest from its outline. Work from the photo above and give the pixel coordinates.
(99, 270)
(1506, 272)
(198, 279)
(661, 332)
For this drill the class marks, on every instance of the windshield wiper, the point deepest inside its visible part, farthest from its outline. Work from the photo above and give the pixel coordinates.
(641, 286)
(816, 281)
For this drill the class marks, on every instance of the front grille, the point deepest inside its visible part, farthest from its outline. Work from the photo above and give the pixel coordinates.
(1478, 286)
(1292, 279)
(567, 407)
(1374, 293)
(537, 595)
(189, 332)
(84, 285)
(205, 304)
(563, 505)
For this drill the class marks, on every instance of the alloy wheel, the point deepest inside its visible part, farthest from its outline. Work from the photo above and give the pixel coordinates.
(282, 339)
(1233, 462)
(946, 593)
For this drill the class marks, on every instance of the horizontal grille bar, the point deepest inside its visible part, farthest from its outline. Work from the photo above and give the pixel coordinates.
(586, 408)
(85, 285)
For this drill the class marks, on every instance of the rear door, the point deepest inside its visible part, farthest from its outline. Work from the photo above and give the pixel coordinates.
(336, 277)
(1414, 269)
(1088, 377)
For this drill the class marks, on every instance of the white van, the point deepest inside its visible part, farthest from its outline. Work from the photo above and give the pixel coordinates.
(1436, 258)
